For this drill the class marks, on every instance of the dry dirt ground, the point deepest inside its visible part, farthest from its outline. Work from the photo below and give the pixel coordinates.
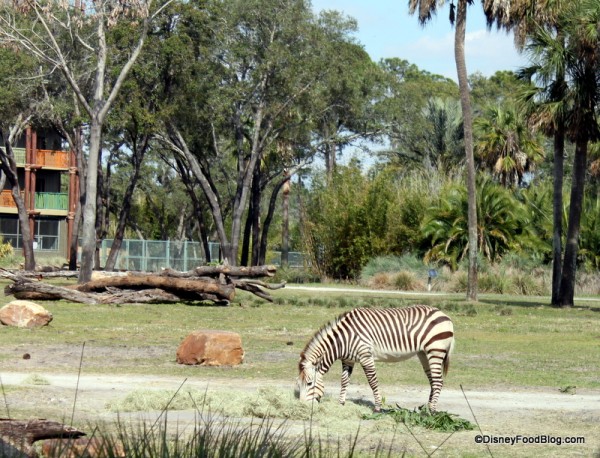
(519, 416)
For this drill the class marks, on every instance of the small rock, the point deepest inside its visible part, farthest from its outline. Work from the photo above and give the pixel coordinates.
(211, 348)
(24, 314)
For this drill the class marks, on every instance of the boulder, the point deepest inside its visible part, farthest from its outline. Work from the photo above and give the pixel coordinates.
(211, 348)
(24, 314)
(94, 447)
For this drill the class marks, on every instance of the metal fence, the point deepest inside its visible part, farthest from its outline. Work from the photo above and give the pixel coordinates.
(154, 255)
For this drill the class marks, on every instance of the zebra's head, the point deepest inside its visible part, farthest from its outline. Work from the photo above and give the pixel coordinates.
(310, 382)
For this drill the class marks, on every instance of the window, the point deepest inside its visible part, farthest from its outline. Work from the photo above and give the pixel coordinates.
(46, 235)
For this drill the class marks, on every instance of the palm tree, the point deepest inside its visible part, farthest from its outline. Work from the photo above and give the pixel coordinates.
(458, 17)
(541, 19)
(506, 145)
(503, 224)
(582, 21)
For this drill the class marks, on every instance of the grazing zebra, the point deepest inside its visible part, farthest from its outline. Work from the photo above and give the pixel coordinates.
(366, 335)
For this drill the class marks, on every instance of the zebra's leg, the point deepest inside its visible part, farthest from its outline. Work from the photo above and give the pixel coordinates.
(425, 363)
(435, 360)
(347, 367)
(368, 365)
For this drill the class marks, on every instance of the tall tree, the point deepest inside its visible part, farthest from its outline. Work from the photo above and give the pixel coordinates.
(458, 17)
(582, 22)
(540, 18)
(253, 81)
(58, 32)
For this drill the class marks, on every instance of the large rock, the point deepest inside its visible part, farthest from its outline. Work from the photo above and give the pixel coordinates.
(211, 348)
(24, 314)
(89, 447)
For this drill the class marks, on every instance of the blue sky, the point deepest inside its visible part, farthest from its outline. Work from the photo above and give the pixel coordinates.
(387, 30)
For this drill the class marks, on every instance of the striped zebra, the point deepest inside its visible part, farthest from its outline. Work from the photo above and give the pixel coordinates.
(366, 335)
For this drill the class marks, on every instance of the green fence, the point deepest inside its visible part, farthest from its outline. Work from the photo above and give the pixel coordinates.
(154, 255)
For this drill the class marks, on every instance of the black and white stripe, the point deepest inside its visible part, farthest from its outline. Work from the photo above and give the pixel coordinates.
(366, 335)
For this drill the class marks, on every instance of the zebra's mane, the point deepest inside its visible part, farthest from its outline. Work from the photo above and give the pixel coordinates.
(313, 344)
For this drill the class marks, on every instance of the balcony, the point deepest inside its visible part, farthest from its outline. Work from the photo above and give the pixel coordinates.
(45, 157)
(48, 203)
(51, 201)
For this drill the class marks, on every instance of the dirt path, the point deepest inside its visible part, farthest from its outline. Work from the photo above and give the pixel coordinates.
(502, 415)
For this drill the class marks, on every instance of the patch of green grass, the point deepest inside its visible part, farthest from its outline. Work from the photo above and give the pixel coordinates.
(423, 418)
(35, 379)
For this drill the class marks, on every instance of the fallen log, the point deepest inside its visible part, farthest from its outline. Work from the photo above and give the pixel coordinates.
(18, 436)
(228, 271)
(136, 287)
(184, 288)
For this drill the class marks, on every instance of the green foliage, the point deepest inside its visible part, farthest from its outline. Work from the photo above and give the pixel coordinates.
(6, 249)
(589, 242)
(392, 264)
(438, 421)
(502, 221)
(346, 221)
(506, 145)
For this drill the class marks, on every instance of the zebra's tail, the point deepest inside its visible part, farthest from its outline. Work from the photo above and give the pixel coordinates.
(446, 362)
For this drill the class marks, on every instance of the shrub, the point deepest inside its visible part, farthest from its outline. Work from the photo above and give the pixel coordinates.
(406, 281)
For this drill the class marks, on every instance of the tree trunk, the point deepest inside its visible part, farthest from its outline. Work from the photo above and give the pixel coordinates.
(255, 199)
(9, 167)
(88, 245)
(81, 167)
(245, 251)
(137, 159)
(557, 211)
(567, 283)
(285, 229)
(465, 101)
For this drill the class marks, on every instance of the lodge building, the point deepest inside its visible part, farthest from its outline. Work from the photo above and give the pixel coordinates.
(49, 183)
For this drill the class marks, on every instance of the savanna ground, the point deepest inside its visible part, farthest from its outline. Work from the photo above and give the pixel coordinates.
(526, 369)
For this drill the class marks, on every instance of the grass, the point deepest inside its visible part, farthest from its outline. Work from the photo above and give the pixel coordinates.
(438, 421)
(503, 342)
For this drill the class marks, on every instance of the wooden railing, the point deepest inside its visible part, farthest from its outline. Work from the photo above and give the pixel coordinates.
(43, 200)
(45, 157)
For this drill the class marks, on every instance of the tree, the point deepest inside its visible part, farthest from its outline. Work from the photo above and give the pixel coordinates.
(506, 145)
(56, 33)
(421, 116)
(254, 81)
(565, 65)
(18, 106)
(541, 19)
(582, 22)
(458, 17)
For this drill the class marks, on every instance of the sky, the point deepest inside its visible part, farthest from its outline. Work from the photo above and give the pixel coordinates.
(387, 30)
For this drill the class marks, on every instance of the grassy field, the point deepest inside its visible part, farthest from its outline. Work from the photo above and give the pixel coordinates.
(503, 342)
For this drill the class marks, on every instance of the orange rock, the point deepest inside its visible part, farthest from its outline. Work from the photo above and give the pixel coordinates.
(24, 314)
(211, 348)
(90, 447)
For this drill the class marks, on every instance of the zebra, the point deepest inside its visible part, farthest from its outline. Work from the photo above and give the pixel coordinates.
(366, 335)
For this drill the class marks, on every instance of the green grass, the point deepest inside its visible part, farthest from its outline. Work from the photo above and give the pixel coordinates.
(502, 340)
